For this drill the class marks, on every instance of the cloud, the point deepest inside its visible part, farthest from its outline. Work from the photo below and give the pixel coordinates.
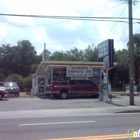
(64, 34)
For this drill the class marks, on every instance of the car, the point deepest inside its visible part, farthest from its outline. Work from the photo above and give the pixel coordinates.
(12, 88)
(3, 92)
(74, 87)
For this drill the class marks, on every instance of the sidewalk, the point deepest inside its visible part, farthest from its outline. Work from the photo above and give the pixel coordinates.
(68, 112)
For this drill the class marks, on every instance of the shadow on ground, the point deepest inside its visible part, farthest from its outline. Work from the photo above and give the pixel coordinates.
(69, 97)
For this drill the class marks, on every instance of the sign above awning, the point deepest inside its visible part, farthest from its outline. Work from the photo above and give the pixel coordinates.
(79, 71)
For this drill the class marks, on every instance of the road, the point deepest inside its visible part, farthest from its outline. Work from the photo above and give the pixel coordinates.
(42, 128)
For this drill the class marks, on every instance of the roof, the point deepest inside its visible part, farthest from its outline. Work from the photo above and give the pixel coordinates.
(45, 66)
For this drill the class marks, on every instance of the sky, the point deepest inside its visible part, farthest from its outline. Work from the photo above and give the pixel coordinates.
(64, 34)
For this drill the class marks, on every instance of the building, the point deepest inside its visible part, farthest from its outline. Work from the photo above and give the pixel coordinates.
(50, 72)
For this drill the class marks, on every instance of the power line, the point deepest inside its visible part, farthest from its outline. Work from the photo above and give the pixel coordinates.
(68, 17)
(76, 19)
(67, 21)
(115, 22)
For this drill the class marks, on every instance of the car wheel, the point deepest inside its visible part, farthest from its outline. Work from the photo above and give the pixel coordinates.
(1, 96)
(63, 94)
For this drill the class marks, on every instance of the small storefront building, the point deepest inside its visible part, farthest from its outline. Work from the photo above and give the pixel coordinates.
(50, 72)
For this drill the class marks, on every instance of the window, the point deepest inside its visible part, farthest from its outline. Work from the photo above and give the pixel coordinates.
(72, 82)
(81, 82)
(89, 83)
(10, 84)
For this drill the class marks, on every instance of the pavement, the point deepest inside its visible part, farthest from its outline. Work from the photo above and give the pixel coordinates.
(34, 106)
(68, 112)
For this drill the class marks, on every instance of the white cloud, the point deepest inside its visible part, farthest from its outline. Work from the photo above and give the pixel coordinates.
(3, 31)
(64, 34)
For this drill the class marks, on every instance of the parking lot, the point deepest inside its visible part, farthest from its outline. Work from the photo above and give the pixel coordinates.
(43, 103)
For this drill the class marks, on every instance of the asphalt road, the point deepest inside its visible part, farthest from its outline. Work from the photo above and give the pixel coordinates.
(13, 104)
(68, 126)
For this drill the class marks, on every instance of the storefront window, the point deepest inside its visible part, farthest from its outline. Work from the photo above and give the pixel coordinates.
(59, 75)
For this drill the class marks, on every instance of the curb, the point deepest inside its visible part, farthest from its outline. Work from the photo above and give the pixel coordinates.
(129, 111)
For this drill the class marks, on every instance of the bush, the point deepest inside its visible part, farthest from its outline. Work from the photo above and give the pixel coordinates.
(27, 83)
(24, 83)
(14, 78)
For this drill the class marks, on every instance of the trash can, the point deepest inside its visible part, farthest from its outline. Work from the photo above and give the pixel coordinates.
(127, 89)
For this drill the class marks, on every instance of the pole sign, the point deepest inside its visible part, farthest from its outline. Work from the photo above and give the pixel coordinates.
(105, 50)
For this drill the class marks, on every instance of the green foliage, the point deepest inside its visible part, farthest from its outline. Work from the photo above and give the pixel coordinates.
(23, 60)
(18, 59)
(122, 57)
(34, 68)
(27, 83)
(120, 75)
(136, 41)
(91, 54)
(15, 78)
(2, 77)
(45, 55)
(137, 57)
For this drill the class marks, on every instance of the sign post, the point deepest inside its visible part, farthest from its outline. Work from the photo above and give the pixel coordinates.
(105, 51)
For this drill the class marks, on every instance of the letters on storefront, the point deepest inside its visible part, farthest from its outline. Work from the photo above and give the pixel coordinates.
(79, 71)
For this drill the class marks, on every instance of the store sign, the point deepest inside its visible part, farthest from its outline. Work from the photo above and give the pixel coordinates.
(105, 51)
(107, 62)
(79, 71)
(61, 71)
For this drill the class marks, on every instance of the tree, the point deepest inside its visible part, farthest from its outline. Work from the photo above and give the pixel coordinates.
(34, 68)
(2, 77)
(120, 74)
(15, 78)
(46, 54)
(136, 41)
(91, 54)
(18, 59)
(27, 83)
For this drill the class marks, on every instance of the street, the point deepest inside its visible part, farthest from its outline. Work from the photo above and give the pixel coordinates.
(84, 117)
(67, 126)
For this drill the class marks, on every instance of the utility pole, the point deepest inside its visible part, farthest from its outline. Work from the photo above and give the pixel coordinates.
(45, 52)
(131, 54)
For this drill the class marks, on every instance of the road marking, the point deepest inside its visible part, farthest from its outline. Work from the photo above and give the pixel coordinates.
(103, 137)
(52, 123)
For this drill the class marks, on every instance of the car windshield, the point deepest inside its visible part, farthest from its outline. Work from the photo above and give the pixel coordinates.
(10, 84)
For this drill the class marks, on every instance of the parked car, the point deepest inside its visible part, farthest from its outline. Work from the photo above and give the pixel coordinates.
(3, 92)
(11, 87)
(75, 87)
